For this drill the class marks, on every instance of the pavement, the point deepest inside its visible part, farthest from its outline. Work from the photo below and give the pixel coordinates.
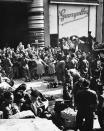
(42, 86)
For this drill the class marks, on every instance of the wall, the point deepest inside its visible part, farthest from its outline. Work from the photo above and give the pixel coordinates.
(53, 19)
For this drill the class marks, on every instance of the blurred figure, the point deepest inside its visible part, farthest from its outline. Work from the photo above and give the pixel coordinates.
(65, 46)
(72, 62)
(19, 99)
(86, 102)
(60, 71)
(25, 67)
(100, 109)
(84, 66)
(37, 106)
(40, 67)
(32, 67)
(90, 40)
(51, 66)
(8, 67)
(8, 107)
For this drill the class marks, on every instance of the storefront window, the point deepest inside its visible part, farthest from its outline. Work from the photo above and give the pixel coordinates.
(73, 20)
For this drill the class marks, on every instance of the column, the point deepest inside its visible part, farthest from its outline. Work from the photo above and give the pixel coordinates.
(99, 21)
(36, 22)
(46, 23)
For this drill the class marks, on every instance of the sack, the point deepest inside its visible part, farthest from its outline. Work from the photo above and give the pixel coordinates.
(23, 115)
(59, 105)
(69, 116)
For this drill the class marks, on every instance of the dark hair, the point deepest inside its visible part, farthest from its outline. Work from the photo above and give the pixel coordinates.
(7, 94)
(21, 87)
(18, 96)
(35, 93)
(6, 55)
(72, 55)
(27, 98)
(31, 56)
(11, 83)
(89, 32)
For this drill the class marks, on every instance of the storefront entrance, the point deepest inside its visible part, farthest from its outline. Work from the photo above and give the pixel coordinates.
(69, 18)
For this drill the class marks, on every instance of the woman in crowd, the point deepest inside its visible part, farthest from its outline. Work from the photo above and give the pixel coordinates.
(51, 65)
(40, 67)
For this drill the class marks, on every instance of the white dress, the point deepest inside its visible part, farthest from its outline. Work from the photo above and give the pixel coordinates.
(40, 67)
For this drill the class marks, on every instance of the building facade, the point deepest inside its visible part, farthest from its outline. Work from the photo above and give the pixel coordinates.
(49, 20)
(64, 18)
(75, 17)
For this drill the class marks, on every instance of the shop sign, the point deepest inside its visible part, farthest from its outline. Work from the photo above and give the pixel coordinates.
(67, 15)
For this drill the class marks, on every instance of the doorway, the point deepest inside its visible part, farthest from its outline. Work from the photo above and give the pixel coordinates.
(13, 23)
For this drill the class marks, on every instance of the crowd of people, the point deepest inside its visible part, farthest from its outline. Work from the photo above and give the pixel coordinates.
(79, 72)
(13, 102)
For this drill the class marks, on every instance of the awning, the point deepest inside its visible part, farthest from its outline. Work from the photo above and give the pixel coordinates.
(75, 2)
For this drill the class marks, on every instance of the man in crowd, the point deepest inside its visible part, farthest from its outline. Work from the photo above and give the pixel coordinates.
(90, 40)
(86, 102)
(100, 108)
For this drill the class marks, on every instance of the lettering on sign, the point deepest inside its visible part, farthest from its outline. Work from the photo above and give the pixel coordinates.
(66, 17)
